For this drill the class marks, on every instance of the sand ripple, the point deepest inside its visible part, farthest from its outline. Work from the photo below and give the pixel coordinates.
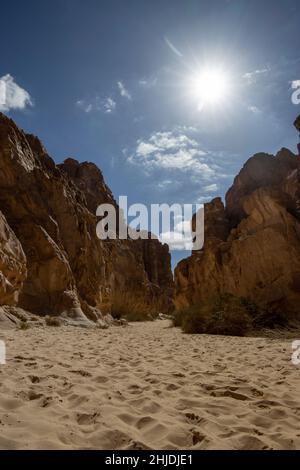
(146, 386)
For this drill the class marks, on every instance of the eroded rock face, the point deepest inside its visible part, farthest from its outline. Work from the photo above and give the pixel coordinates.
(89, 179)
(51, 210)
(252, 247)
(216, 221)
(260, 171)
(12, 265)
(138, 266)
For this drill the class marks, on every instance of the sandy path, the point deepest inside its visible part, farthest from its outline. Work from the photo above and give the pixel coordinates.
(146, 386)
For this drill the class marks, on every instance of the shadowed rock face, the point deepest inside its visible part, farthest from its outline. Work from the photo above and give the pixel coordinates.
(50, 220)
(12, 264)
(153, 276)
(252, 246)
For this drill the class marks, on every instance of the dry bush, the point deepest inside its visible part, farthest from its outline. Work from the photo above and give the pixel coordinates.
(53, 321)
(132, 309)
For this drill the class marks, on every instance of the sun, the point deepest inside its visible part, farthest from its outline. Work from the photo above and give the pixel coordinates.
(210, 87)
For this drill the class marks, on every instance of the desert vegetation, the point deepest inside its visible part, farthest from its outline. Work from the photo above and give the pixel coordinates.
(226, 315)
(131, 309)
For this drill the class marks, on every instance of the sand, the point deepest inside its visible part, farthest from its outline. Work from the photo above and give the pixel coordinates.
(146, 386)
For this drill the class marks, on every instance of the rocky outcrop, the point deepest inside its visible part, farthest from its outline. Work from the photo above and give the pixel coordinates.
(88, 178)
(64, 269)
(260, 171)
(252, 247)
(216, 221)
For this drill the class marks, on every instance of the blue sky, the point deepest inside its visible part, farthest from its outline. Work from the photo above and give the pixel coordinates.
(111, 82)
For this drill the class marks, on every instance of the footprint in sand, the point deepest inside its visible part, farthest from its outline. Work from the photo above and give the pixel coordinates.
(229, 394)
(84, 419)
(193, 418)
(34, 379)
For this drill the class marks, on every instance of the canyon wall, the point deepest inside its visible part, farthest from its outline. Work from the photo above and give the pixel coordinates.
(51, 261)
(252, 244)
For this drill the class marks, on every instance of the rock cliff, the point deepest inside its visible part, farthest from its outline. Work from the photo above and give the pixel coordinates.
(252, 245)
(51, 261)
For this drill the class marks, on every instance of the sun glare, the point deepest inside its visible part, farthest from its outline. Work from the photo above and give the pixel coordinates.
(210, 87)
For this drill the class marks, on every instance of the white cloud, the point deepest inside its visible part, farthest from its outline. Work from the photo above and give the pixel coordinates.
(179, 168)
(172, 47)
(254, 109)
(12, 96)
(107, 105)
(295, 84)
(203, 199)
(84, 106)
(171, 150)
(177, 241)
(212, 188)
(123, 91)
(181, 237)
(251, 77)
(166, 184)
(148, 82)
(145, 148)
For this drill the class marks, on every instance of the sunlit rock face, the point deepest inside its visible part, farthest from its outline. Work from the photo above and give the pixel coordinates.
(58, 265)
(258, 258)
(260, 171)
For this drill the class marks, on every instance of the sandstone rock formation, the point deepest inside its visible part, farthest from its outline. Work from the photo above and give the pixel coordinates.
(252, 246)
(12, 264)
(297, 125)
(52, 262)
(138, 266)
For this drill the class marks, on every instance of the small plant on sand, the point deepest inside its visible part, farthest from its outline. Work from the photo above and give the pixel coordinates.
(223, 315)
(130, 308)
(53, 321)
(24, 325)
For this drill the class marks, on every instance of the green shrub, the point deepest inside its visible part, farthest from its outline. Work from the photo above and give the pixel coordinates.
(227, 315)
(223, 315)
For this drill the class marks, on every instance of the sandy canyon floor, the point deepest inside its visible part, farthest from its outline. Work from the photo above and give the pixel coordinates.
(146, 386)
